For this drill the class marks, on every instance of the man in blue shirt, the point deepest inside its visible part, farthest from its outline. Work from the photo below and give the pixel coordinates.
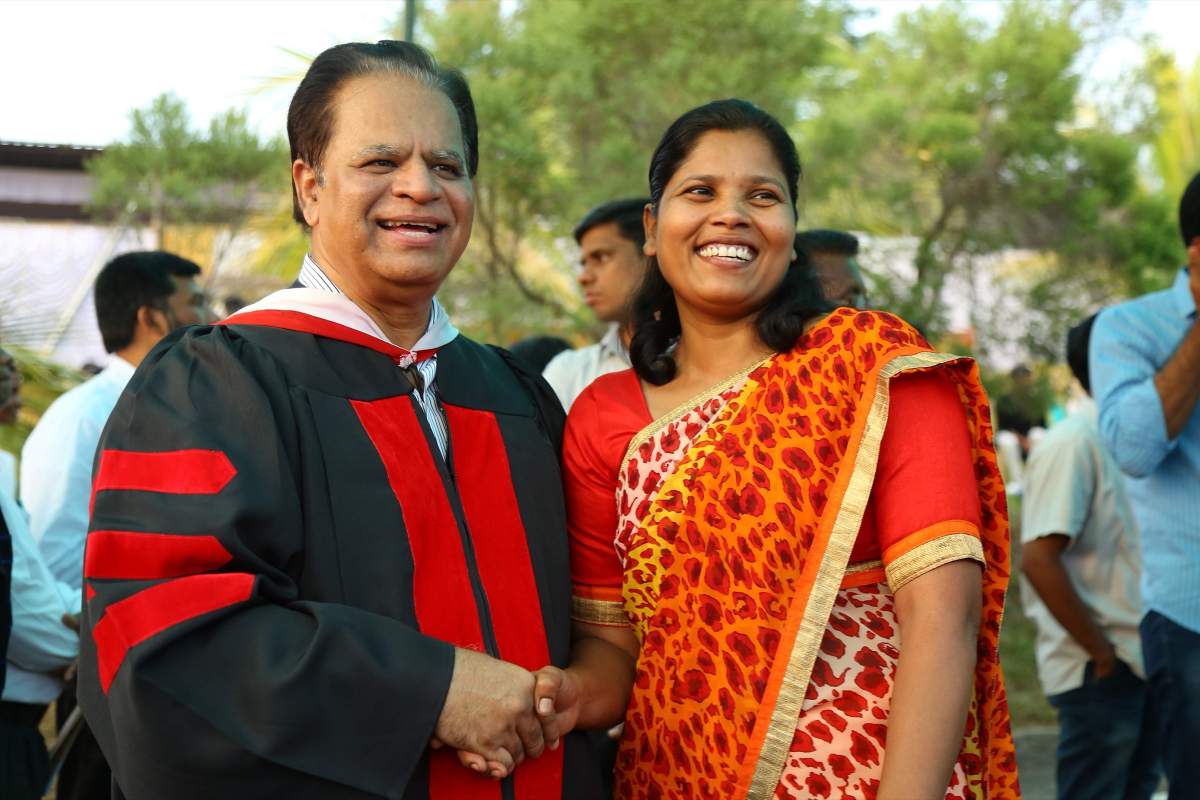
(1145, 365)
(140, 298)
(41, 644)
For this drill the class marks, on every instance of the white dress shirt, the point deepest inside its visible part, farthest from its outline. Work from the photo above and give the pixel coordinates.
(56, 469)
(40, 645)
(571, 371)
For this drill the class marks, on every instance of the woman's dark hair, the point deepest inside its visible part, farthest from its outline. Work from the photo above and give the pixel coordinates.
(655, 316)
(310, 115)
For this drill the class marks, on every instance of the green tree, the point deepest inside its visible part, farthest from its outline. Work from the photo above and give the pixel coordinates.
(969, 137)
(176, 177)
(572, 97)
(1177, 146)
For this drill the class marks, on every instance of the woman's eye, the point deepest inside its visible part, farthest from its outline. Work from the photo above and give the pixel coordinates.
(701, 191)
(766, 195)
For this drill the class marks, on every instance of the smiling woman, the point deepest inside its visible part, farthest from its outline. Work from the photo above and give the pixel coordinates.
(797, 590)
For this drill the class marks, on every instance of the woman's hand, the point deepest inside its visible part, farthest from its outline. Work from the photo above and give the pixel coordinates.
(556, 697)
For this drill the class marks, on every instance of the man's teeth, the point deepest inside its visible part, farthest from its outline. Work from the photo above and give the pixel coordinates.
(738, 251)
(393, 225)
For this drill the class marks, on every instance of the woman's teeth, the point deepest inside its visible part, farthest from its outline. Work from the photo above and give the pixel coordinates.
(739, 251)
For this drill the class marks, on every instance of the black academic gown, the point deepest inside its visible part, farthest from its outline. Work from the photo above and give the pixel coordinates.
(280, 560)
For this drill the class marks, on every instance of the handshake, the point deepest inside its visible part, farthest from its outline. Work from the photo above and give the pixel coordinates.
(497, 714)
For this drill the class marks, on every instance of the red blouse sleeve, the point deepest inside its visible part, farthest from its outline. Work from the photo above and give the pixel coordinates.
(594, 442)
(925, 501)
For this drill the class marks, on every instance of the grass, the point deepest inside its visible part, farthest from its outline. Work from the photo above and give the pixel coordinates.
(1026, 702)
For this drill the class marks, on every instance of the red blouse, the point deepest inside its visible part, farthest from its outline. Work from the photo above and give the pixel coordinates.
(924, 480)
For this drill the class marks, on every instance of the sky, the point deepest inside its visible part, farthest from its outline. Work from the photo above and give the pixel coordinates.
(73, 70)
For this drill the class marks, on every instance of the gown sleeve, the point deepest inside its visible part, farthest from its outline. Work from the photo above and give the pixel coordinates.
(925, 500)
(203, 672)
(590, 475)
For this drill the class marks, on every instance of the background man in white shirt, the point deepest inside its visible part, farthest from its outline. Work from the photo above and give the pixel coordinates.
(140, 298)
(1080, 558)
(41, 645)
(611, 264)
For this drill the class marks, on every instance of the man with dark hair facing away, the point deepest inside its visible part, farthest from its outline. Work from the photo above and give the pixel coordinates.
(1080, 558)
(1145, 368)
(611, 266)
(329, 539)
(140, 297)
(834, 259)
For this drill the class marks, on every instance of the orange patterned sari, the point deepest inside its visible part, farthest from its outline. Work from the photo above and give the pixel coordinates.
(767, 653)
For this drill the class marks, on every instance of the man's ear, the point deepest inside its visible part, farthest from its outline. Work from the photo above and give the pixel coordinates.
(306, 180)
(650, 226)
(152, 321)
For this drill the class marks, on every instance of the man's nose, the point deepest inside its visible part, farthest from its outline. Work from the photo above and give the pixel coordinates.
(416, 181)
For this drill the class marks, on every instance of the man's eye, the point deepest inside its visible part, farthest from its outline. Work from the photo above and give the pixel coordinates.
(448, 169)
(382, 162)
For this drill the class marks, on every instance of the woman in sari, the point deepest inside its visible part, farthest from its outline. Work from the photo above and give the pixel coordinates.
(789, 535)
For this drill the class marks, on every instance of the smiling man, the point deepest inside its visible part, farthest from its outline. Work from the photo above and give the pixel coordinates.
(328, 534)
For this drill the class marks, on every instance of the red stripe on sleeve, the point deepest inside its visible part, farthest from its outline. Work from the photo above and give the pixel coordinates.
(170, 472)
(502, 554)
(129, 555)
(88, 592)
(129, 622)
(442, 593)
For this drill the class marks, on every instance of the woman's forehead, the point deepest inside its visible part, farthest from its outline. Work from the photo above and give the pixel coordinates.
(742, 154)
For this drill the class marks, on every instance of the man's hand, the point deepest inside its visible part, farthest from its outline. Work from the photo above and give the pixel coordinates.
(489, 712)
(1104, 662)
(558, 703)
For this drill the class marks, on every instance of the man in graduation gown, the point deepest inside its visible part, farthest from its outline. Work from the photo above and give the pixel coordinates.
(328, 535)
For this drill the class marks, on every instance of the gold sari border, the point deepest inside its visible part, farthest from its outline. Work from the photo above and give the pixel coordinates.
(932, 554)
(864, 566)
(772, 756)
(599, 612)
(678, 412)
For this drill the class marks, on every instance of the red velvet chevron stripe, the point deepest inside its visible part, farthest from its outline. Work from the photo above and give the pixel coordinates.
(129, 555)
(170, 472)
(135, 619)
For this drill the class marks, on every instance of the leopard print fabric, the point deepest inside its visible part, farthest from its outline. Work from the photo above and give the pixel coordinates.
(721, 554)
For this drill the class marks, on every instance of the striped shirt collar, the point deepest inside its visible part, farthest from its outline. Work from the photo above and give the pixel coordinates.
(438, 333)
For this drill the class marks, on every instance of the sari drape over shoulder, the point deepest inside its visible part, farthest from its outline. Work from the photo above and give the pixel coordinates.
(754, 542)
